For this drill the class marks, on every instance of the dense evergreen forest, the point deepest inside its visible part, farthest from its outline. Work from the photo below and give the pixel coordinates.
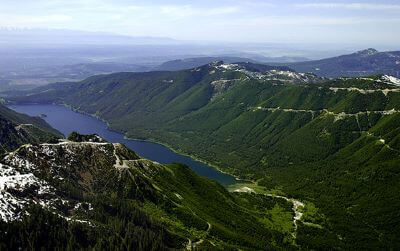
(85, 193)
(332, 144)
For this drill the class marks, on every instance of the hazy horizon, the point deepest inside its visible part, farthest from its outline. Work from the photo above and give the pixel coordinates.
(356, 23)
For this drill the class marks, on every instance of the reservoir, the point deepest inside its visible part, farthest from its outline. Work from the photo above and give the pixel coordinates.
(66, 121)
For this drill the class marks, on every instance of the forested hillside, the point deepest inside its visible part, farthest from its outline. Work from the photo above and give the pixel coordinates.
(332, 143)
(17, 129)
(85, 193)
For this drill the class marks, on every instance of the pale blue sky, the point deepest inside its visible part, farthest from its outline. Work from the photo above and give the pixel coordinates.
(356, 22)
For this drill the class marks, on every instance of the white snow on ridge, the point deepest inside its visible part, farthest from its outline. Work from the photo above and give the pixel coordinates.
(278, 75)
(229, 66)
(12, 179)
(391, 79)
(20, 187)
(14, 160)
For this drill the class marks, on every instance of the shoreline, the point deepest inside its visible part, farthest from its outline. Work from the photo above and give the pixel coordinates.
(195, 158)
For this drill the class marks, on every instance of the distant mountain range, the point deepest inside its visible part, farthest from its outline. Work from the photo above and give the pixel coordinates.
(267, 59)
(362, 63)
(189, 63)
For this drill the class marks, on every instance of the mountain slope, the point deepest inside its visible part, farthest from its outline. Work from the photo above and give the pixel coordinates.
(290, 133)
(362, 63)
(17, 129)
(102, 195)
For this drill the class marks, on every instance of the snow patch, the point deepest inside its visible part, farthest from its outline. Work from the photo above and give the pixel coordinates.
(12, 183)
(391, 80)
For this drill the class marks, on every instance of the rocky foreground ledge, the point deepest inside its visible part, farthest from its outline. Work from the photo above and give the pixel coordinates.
(38, 174)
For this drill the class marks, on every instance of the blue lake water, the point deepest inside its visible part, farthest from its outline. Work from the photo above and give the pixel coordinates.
(67, 121)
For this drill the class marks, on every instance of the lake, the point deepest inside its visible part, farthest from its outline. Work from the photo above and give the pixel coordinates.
(67, 121)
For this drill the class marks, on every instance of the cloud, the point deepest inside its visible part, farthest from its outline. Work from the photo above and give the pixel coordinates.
(352, 6)
(307, 21)
(256, 3)
(244, 20)
(31, 21)
(179, 11)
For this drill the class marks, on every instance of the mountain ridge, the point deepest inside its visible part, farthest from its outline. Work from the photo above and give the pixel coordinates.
(86, 182)
(292, 133)
(362, 63)
(188, 63)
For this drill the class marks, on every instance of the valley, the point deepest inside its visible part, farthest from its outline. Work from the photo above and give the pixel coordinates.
(121, 165)
(293, 135)
(67, 121)
(199, 125)
(327, 147)
(85, 181)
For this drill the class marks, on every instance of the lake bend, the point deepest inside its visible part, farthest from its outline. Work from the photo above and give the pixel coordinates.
(66, 121)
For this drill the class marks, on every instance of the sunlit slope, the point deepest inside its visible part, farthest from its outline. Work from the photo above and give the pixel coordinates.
(101, 195)
(17, 129)
(332, 142)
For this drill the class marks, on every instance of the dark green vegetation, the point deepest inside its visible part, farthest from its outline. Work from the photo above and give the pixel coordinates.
(121, 227)
(76, 137)
(17, 129)
(362, 63)
(103, 196)
(333, 144)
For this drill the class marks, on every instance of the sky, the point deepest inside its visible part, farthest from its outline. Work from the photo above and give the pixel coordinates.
(248, 21)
